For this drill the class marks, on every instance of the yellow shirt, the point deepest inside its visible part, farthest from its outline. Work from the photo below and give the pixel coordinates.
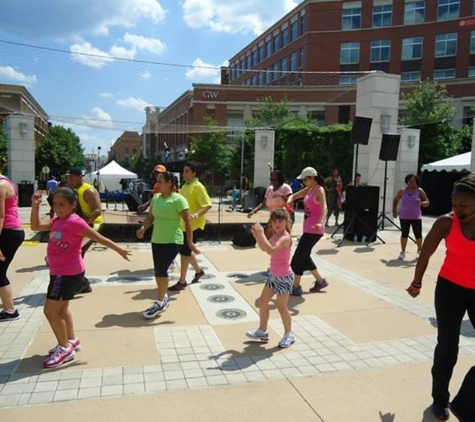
(85, 208)
(197, 196)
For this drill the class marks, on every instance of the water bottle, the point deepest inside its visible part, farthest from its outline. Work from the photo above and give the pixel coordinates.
(355, 239)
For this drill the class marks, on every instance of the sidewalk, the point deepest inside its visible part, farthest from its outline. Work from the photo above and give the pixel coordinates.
(363, 347)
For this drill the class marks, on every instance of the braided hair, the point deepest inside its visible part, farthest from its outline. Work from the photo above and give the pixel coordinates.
(466, 184)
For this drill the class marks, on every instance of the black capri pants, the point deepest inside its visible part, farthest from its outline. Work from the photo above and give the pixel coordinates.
(163, 255)
(302, 261)
(185, 249)
(416, 228)
(10, 241)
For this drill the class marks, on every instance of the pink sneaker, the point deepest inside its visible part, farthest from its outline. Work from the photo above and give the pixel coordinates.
(60, 356)
(75, 343)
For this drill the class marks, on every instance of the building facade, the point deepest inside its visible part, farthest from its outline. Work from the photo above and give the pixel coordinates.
(127, 147)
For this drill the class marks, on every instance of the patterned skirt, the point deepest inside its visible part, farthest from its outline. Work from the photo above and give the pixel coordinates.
(281, 285)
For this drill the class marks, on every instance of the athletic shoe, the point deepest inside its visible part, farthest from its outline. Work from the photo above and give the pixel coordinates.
(75, 343)
(402, 256)
(258, 335)
(84, 287)
(297, 291)
(196, 278)
(441, 412)
(156, 308)
(319, 285)
(7, 316)
(178, 287)
(60, 356)
(287, 341)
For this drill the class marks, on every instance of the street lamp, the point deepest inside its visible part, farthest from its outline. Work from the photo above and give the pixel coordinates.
(98, 157)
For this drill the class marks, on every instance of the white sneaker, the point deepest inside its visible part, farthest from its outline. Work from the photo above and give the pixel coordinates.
(402, 255)
(287, 341)
(258, 335)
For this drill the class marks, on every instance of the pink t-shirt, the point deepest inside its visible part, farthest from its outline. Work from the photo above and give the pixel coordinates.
(280, 260)
(64, 246)
(12, 217)
(313, 212)
(275, 198)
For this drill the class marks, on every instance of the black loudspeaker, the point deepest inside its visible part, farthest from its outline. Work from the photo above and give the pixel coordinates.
(360, 130)
(244, 237)
(361, 212)
(389, 147)
(131, 202)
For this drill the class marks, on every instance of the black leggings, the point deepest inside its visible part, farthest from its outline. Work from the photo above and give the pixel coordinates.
(302, 260)
(10, 241)
(416, 228)
(451, 303)
(163, 256)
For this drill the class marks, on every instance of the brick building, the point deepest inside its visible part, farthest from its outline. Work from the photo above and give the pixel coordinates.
(126, 147)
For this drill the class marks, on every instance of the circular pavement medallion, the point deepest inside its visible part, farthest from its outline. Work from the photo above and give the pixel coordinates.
(208, 276)
(221, 299)
(212, 286)
(230, 313)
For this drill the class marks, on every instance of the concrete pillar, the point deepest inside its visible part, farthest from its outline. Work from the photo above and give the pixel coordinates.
(21, 148)
(377, 97)
(264, 155)
(407, 158)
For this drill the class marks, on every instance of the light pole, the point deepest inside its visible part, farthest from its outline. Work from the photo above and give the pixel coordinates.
(243, 135)
(97, 166)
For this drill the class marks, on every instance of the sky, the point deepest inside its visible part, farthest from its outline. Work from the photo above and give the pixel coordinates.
(165, 47)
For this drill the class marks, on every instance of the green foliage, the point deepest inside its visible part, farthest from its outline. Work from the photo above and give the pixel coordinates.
(270, 114)
(60, 149)
(3, 142)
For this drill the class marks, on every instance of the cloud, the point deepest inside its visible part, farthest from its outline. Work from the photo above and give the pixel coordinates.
(146, 75)
(107, 95)
(67, 19)
(233, 16)
(11, 74)
(152, 45)
(89, 55)
(134, 103)
(204, 71)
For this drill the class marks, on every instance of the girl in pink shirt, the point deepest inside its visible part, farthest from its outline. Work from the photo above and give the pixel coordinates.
(281, 277)
(66, 267)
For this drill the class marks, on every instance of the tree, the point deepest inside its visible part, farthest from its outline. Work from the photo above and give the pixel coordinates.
(430, 109)
(3, 142)
(59, 150)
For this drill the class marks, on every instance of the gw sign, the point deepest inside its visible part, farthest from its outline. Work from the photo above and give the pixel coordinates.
(211, 95)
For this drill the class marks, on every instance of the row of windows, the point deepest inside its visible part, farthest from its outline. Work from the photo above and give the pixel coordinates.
(412, 48)
(414, 13)
(272, 46)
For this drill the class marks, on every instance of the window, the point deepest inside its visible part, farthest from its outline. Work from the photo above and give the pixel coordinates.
(285, 37)
(350, 52)
(254, 58)
(410, 76)
(134, 153)
(294, 31)
(248, 64)
(254, 79)
(283, 65)
(380, 51)
(318, 117)
(351, 19)
(268, 75)
(382, 16)
(268, 48)
(348, 79)
(303, 25)
(275, 71)
(468, 115)
(472, 43)
(276, 43)
(261, 78)
(126, 152)
(293, 62)
(471, 72)
(261, 53)
(448, 9)
(414, 12)
(446, 45)
(444, 74)
(412, 48)
(302, 58)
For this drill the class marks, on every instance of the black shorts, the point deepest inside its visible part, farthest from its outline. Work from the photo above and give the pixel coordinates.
(416, 228)
(63, 287)
(185, 249)
(10, 241)
(163, 256)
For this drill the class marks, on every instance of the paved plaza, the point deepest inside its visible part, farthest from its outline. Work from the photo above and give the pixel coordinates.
(363, 347)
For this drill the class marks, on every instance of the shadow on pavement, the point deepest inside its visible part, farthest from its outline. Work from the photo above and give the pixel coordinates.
(399, 263)
(34, 365)
(32, 269)
(131, 320)
(466, 329)
(252, 353)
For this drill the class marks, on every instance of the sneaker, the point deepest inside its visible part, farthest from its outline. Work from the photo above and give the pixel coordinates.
(60, 356)
(84, 287)
(319, 285)
(441, 412)
(258, 335)
(178, 287)
(297, 291)
(7, 316)
(287, 341)
(402, 256)
(196, 278)
(75, 343)
(156, 308)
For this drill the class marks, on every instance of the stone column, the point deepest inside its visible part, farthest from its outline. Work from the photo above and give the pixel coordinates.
(21, 148)
(408, 156)
(264, 155)
(377, 97)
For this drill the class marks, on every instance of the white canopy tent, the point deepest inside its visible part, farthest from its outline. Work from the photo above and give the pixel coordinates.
(458, 163)
(111, 174)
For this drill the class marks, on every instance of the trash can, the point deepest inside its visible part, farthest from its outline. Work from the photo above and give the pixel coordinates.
(25, 191)
(249, 203)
